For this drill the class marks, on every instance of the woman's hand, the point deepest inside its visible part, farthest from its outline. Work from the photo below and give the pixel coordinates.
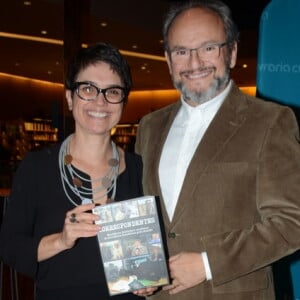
(79, 223)
(145, 292)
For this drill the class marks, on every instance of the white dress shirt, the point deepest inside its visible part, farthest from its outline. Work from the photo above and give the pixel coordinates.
(186, 132)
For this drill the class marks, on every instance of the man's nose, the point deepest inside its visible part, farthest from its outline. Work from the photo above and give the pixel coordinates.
(195, 57)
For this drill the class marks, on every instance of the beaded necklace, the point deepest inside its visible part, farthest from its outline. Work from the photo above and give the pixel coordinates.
(73, 182)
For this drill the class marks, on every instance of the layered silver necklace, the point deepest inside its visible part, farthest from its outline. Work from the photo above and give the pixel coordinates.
(74, 184)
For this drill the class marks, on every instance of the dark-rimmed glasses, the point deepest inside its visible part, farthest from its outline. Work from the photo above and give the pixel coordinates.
(88, 91)
(205, 52)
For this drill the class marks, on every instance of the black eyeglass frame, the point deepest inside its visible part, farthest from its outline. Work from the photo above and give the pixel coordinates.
(99, 91)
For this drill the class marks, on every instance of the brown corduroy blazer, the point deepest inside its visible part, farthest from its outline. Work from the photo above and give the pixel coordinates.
(240, 200)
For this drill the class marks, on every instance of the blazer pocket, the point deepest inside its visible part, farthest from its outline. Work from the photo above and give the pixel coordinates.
(254, 281)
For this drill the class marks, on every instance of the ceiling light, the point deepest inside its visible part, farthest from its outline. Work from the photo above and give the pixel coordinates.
(245, 66)
(30, 38)
(134, 46)
(27, 3)
(103, 24)
(135, 54)
(44, 32)
(30, 79)
(143, 55)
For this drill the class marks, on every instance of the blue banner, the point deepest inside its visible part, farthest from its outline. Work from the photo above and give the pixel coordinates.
(278, 80)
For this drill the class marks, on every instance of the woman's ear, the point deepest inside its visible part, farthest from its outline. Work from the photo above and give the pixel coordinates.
(69, 99)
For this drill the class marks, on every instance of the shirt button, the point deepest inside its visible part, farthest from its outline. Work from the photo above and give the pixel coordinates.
(172, 235)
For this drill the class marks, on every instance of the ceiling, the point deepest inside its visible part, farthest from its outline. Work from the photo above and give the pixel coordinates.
(134, 26)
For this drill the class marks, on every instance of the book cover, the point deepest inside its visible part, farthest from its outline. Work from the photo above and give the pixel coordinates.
(131, 245)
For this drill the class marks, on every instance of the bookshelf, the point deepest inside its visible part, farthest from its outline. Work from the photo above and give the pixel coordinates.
(124, 135)
(41, 132)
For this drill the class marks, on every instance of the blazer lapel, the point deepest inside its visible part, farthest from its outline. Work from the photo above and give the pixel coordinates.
(163, 126)
(228, 119)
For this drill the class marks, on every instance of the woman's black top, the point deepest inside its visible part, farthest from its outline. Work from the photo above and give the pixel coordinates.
(37, 207)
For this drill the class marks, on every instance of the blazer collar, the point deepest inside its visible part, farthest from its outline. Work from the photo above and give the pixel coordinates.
(225, 124)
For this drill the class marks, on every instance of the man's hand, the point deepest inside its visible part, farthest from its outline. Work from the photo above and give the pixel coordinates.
(186, 270)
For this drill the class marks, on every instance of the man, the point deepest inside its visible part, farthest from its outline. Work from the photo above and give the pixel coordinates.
(225, 165)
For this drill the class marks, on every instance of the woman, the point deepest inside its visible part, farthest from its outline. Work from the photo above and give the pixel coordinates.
(49, 232)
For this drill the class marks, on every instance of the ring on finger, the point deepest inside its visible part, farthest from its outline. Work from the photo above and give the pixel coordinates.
(73, 219)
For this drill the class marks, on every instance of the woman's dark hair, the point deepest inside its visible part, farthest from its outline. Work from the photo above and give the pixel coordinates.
(220, 8)
(100, 52)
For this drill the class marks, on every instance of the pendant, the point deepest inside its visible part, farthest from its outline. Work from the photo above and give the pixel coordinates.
(106, 182)
(113, 162)
(77, 182)
(68, 159)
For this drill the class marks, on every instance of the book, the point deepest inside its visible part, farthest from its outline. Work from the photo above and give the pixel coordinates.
(132, 245)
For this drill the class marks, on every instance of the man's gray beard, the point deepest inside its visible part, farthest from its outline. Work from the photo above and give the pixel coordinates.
(201, 97)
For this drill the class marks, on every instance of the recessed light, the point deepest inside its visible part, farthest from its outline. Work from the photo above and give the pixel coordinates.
(245, 66)
(44, 32)
(103, 24)
(134, 46)
(27, 3)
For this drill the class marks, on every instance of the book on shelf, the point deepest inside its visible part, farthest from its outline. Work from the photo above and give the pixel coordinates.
(132, 245)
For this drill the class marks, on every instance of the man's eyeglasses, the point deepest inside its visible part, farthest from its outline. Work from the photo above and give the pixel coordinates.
(206, 52)
(89, 92)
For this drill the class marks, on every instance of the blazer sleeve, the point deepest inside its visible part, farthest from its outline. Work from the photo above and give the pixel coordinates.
(138, 145)
(277, 233)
